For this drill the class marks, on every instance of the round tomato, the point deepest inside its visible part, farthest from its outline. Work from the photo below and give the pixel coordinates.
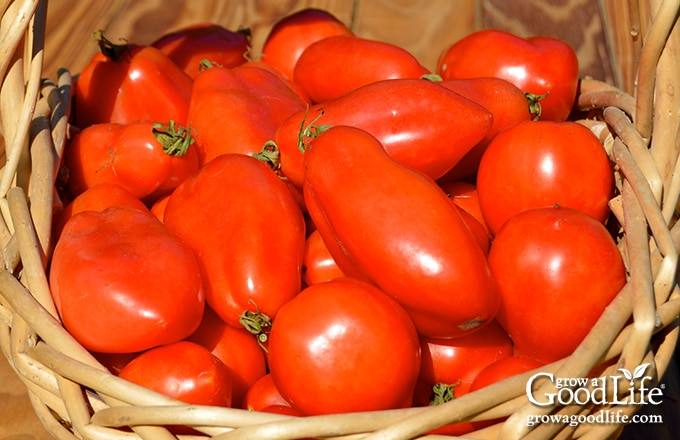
(542, 66)
(318, 264)
(123, 269)
(184, 371)
(291, 35)
(344, 346)
(557, 269)
(541, 163)
(263, 394)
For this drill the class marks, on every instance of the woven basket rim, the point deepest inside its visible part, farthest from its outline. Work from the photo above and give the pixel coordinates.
(73, 393)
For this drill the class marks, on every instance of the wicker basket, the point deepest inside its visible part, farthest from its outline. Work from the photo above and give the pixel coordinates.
(76, 397)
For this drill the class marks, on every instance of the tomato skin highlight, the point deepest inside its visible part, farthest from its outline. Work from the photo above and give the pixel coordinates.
(122, 268)
(247, 211)
(318, 264)
(395, 227)
(541, 159)
(421, 125)
(538, 65)
(336, 339)
(557, 269)
(292, 34)
(333, 66)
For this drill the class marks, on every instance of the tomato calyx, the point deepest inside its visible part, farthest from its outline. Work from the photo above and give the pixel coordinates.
(109, 49)
(534, 101)
(258, 324)
(310, 131)
(174, 138)
(442, 393)
(270, 155)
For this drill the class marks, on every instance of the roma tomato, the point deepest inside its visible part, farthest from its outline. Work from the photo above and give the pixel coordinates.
(507, 104)
(183, 370)
(391, 225)
(542, 163)
(123, 269)
(128, 83)
(537, 65)
(146, 158)
(456, 362)
(236, 348)
(557, 269)
(318, 264)
(249, 237)
(292, 34)
(190, 45)
(97, 198)
(333, 66)
(421, 124)
(238, 110)
(331, 345)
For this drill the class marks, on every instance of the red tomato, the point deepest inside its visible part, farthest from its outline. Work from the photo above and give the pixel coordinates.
(291, 35)
(249, 237)
(238, 110)
(146, 158)
(537, 65)
(97, 198)
(557, 269)
(318, 264)
(128, 83)
(456, 362)
(264, 394)
(391, 225)
(184, 371)
(421, 125)
(333, 66)
(476, 228)
(237, 348)
(190, 45)
(464, 194)
(158, 207)
(507, 104)
(542, 163)
(344, 346)
(123, 269)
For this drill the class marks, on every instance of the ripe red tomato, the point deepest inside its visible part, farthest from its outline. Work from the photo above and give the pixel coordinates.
(128, 83)
(249, 236)
(507, 104)
(557, 269)
(123, 269)
(237, 110)
(344, 346)
(420, 123)
(333, 66)
(147, 159)
(236, 348)
(318, 264)
(190, 45)
(291, 35)
(393, 226)
(464, 194)
(263, 394)
(537, 65)
(542, 163)
(184, 371)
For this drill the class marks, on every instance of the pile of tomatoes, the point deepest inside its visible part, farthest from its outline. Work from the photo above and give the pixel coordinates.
(333, 227)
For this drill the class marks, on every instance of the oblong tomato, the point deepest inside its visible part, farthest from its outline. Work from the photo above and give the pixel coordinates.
(557, 269)
(344, 338)
(548, 163)
(333, 66)
(421, 124)
(391, 225)
(123, 269)
(249, 235)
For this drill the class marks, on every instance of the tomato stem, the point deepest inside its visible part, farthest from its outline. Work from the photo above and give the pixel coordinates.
(270, 154)
(310, 131)
(442, 393)
(175, 139)
(112, 51)
(258, 324)
(535, 107)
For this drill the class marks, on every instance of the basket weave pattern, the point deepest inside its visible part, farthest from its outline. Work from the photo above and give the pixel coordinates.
(76, 397)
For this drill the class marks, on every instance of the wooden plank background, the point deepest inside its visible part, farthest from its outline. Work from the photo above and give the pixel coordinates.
(599, 30)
